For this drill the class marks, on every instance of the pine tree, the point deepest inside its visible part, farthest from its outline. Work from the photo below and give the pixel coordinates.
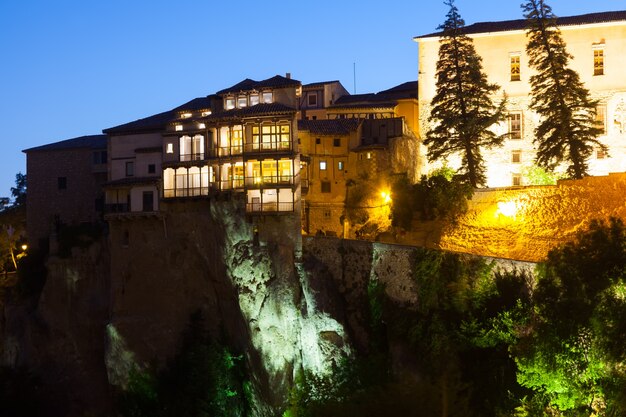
(462, 109)
(567, 131)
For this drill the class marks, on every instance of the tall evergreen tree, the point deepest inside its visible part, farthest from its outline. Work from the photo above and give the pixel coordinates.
(462, 109)
(567, 131)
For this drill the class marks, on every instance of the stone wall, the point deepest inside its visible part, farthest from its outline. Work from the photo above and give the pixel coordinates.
(525, 223)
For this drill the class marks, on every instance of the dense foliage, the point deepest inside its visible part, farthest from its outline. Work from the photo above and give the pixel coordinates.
(439, 196)
(204, 379)
(462, 109)
(488, 343)
(567, 130)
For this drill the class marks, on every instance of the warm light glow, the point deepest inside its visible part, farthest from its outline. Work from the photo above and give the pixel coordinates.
(386, 197)
(179, 128)
(206, 113)
(201, 125)
(24, 247)
(507, 208)
(186, 115)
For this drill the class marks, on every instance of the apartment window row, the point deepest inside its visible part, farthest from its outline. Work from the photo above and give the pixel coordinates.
(196, 181)
(598, 62)
(324, 165)
(249, 99)
(336, 142)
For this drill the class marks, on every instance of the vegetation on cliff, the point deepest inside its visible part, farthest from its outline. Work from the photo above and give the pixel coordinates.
(203, 379)
(485, 344)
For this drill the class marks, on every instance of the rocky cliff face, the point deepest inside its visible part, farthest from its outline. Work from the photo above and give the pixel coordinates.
(123, 303)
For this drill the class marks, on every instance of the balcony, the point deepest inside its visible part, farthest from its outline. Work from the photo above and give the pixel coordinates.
(261, 181)
(116, 208)
(272, 207)
(192, 157)
(268, 147)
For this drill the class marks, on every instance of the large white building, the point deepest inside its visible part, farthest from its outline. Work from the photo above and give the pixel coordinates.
(597, 43)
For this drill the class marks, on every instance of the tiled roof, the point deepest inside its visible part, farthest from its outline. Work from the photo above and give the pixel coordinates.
(382, 99)
(160, 121)
(318, 84)
(199, 103)
(329, 126)
(277, 81)
(262, 109)
(520, 24)
(91, 142)
(150, 123)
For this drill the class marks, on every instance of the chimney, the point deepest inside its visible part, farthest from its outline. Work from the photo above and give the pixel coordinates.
(288, 76)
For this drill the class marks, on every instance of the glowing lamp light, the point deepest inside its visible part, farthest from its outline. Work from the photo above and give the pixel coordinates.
(507, 208)
(24, 247)
(386, 197)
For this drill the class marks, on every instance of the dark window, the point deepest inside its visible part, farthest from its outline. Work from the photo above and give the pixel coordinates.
(130, 169)
(62, 183)
(125, 239)
(99, 204)
(100, 157)
(326, 186)
(313, 117)
(337, 142)
(318, 141)
(312, 97)
(327, 214)
(148, 201)
(151, 169)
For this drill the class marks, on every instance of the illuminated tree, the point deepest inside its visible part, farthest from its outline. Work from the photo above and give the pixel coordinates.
(573, 352)
(566, 132)
(462, 109)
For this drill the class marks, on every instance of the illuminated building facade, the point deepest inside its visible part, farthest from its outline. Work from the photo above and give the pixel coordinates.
(597, 43)
(246, 145)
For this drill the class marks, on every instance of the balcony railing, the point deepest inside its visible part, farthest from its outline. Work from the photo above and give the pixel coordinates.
(272, 207)
(192, 157)
(269, 180)
(116, 208)
(186, 192)
(268, 146)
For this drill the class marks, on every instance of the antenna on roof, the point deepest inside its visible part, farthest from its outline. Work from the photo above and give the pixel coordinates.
(354, 75)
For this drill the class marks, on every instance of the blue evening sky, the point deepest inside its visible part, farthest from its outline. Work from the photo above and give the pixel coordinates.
(74, 67)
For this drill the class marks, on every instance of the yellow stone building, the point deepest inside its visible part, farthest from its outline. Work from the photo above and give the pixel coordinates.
(597, 43)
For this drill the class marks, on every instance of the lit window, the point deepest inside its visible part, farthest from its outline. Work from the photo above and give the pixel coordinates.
(322, 165)
(206, 113)
(312, 99)
(186, 115)
(230, 103)
(517, 179)
(598, 61)
(600, 119)
(254, 99)
(169, 148)
(515, 67)
(516, 156)
(369, 155)
(268, 97)
(179, 128)
(201, 125)
(130, 169)
(242, 101)
(515, 125)
(340, 165)
(337, 142)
